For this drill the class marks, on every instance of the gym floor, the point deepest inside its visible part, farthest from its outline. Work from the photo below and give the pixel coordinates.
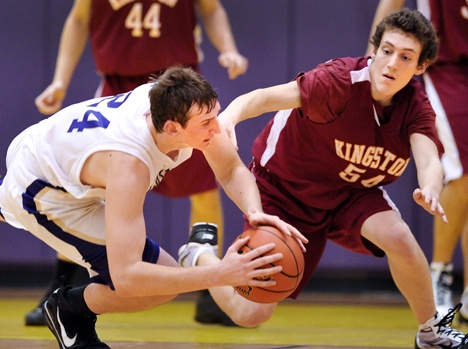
(316, 320)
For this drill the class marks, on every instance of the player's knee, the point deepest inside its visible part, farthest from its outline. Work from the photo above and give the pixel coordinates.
(256, 315)
(400, 240)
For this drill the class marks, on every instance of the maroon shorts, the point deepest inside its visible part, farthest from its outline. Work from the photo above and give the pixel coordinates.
(192, 176)
(341, 225)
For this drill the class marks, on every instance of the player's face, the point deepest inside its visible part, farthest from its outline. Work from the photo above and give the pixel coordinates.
(202, 126)
(394, 64)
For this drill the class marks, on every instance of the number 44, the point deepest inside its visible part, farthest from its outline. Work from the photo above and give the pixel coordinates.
(150, 21)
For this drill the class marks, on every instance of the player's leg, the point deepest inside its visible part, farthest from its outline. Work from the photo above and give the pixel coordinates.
(207, 207)
(447, 86)
(454, 200)
(410, 272)
(64, 273)
(460, 219)
(71, 312)
(242, 311)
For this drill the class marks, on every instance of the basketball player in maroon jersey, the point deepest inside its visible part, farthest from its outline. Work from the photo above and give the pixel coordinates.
(131, 40)
(344, 130)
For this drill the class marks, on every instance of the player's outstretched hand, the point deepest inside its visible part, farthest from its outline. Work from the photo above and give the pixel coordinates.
(251, 267)
(430, 202)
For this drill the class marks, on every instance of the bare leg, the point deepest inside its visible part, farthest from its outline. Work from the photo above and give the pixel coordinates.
(454, 200)
(242, 311)
(407, 262)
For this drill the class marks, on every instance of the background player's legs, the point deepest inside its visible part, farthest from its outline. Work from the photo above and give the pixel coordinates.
(454, 199)
(65, 272)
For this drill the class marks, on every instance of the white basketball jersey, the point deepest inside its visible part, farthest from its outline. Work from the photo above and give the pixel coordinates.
(60, 145)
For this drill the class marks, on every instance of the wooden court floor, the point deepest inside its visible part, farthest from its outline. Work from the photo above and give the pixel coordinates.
(314, 321)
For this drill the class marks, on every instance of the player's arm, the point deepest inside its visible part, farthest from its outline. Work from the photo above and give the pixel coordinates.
(216, 23)
(430, 174)
(239, 184)
(127, 182)
(384, 8)
(72, 44)
(258, 102)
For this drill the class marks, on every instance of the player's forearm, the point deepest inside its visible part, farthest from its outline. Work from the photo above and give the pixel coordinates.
(243, 191)
(72, 44)
(218, 29)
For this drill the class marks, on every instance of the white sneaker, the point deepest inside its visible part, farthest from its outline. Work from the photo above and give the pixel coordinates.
(203, 239)
(442, 280)
(437, 333)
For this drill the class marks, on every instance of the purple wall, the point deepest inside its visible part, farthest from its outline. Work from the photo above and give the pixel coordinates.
(279, 37)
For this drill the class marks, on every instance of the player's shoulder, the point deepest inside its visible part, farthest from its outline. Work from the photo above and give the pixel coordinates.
(345, 64)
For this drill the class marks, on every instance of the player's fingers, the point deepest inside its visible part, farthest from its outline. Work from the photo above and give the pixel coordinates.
(257, 252)
(263, 275)
(238, 243)
(262, 282)
(257, 263)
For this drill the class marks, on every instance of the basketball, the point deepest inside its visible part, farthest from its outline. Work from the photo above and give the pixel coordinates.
(292, 262)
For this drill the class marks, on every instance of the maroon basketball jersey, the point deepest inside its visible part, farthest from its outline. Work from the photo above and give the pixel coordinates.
(340, 140)
(138, 37)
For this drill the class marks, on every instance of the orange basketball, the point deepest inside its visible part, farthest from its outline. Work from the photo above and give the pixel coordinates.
(292, 262)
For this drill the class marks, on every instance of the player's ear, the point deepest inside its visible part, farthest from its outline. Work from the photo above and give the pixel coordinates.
(172, 127)
(422, 68)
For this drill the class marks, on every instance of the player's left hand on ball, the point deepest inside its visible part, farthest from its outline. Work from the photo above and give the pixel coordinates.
(260, 218)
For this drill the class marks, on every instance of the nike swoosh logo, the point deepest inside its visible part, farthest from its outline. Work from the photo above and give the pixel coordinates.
(66, 340)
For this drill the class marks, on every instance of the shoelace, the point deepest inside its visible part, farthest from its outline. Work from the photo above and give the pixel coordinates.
(444, 326)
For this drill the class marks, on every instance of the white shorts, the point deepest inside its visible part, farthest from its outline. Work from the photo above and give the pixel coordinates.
(74, 227)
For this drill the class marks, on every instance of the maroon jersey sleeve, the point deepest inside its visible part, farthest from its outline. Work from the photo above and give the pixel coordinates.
(324, 91)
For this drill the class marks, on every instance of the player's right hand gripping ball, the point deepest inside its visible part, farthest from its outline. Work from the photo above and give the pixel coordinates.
(292, 262)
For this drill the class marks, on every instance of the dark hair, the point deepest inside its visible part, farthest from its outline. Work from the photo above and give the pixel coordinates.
(410, 22)
(175, 92)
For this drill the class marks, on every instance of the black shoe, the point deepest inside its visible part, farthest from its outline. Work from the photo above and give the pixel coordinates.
(203, 238)
(208, 312)
(203, 233)
(35, 318)
(72, 332)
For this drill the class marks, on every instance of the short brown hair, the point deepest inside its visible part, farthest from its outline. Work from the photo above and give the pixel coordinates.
(175, 92)
(411, 22)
